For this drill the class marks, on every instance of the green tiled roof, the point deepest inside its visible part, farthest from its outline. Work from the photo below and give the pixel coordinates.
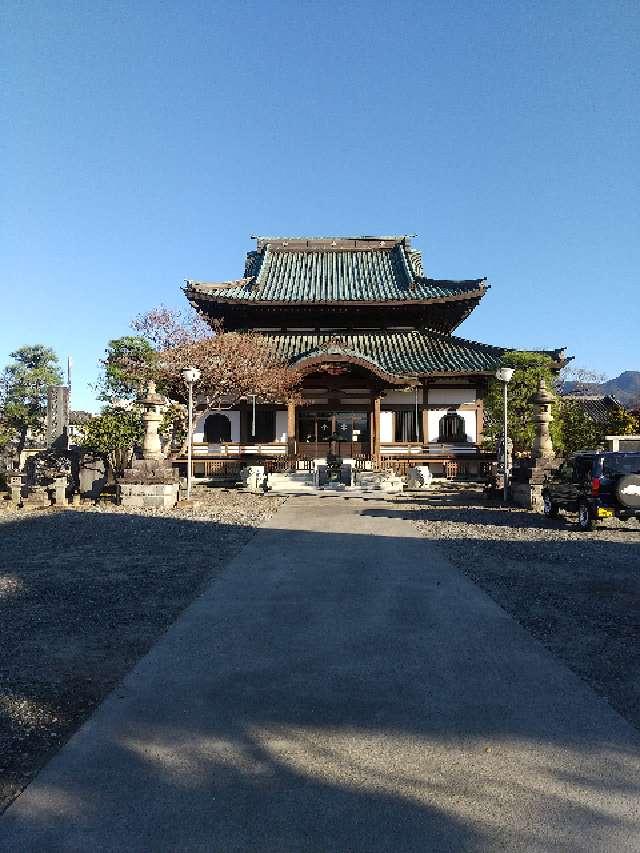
(325, 270)
(398, 352)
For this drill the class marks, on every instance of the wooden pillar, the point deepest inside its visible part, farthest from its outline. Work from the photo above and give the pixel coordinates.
(244, 422)
(291, 429)
(479, 421)
(425, 414)
(376, 431)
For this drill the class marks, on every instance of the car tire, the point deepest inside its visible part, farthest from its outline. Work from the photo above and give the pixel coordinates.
(549, 509)
(585, 522)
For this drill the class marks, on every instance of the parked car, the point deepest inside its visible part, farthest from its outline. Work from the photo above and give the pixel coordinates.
(595, 484)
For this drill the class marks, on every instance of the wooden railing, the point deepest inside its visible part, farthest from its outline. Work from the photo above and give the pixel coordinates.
(219, 469)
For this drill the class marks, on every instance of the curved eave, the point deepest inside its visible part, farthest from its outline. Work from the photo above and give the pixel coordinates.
(195, 295)
(443, 312)
(312, 363)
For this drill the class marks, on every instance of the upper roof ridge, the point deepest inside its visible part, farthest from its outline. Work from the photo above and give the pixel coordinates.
(363, 242)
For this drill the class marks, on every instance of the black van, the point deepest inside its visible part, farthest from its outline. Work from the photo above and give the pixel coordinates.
(595, 484)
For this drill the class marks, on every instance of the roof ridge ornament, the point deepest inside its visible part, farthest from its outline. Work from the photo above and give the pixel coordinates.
(334, 346)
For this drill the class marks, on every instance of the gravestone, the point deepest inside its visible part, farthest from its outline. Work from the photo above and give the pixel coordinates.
(320, 476)
(92, 477)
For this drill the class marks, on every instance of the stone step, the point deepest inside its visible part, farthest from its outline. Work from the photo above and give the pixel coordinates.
(298, 477)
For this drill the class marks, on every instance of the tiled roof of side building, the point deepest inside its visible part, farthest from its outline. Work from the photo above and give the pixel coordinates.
(324, 270)
(399, 352)
(597, 408)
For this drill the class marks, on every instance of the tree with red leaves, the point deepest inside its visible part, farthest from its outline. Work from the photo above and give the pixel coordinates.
(233, 365)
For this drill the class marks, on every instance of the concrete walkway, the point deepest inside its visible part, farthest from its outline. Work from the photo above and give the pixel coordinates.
(341, 688)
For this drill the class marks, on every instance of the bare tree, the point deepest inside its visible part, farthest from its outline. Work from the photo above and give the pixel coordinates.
(581, 379)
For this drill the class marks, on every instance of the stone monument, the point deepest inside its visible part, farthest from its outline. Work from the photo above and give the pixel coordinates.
(57, 414)
(14, 481)
(151, 481)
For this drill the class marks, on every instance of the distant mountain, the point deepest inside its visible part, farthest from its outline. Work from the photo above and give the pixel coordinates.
(625, 387)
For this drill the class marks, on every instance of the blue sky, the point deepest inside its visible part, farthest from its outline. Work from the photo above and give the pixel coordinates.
(145, 142)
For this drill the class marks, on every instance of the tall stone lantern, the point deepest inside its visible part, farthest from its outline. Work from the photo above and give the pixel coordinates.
(527, 491)
(542, 444)
(151, 481)
(151, 446)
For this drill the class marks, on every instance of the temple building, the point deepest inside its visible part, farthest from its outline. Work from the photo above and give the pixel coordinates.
(385, 378)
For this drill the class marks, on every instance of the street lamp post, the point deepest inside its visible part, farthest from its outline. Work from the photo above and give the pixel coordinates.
(504, 375)
(190, 375)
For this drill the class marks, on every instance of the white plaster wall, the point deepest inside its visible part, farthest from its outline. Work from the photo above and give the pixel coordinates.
(402, 398)
(234, 417)
(452, 396)
(433, 423)
(386, 426)
(282, 426)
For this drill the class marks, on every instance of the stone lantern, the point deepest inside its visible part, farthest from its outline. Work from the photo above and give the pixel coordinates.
(151, 481)
(151, 446)
(542, 444)
(527, 489)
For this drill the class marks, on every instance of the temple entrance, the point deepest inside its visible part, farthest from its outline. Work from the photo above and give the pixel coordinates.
(350, 430)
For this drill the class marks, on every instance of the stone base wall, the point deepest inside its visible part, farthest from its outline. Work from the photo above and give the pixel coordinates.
(527, 495)
(158, 495)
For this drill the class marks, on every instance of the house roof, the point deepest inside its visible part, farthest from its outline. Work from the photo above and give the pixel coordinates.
(597, 408)
(344, 271)
(397, 352)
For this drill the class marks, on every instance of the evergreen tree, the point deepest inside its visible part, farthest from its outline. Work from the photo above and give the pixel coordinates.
(23, 392)
(529, 368)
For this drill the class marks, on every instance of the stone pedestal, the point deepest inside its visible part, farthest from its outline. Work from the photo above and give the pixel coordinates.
(419, 477)
(252, 477)
(149, 483)
(57, 491)
(391, 483)
(37, 498)
(148, 495)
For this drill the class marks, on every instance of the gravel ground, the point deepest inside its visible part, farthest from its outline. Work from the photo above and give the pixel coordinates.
(577, 593)
(83, 594)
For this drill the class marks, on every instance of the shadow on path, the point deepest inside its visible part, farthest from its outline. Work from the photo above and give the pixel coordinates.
(340, 688)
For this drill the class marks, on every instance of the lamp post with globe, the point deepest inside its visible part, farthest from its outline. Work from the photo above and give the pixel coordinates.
(191, 375)
(504, 375)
